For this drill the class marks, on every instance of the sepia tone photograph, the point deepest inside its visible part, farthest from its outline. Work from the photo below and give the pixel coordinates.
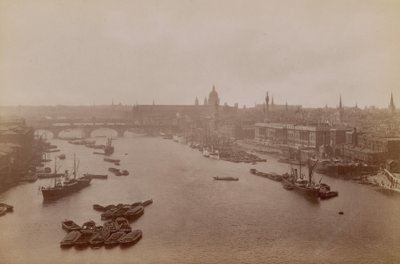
(199, 132)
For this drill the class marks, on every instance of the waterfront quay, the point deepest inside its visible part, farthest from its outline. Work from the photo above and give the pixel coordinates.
(19, 151)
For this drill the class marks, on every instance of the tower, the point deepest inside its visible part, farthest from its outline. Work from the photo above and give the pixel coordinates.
(196, 101)
(340, 109)
(392, 107)
(266, 107)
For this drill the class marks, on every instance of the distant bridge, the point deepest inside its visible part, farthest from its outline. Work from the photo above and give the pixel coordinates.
(56, 126)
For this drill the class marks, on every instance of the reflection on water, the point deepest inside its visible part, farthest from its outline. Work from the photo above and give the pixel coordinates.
(195, 219)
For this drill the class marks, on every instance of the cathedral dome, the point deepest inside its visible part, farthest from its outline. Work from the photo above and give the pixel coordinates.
(213, 97)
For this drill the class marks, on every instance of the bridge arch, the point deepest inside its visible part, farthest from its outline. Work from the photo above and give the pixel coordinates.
(62, 131)
(116, 132)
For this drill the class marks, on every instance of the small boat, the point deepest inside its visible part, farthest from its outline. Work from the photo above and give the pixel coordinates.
(51, 150)
(272, 176)
(124, 173)
(136, 204)
(341, 213)
(62, 156)
(327, 194)
(98, 207)
(120, 211)
(111, 160)
(214, 154)
(99, 237)
(148, 202)
(89, 227)
(110, 225)
(123, 224)
(109, 213)
(9, 208)
(134, 212)
(116, 171)
(49, 175)
(70, 225)
(83, 240)
(111, 169)
(131, 237)
(117, 163)
(112, 240)
(29, 178)
(70, 238)
(225, 178)
(109, 207)
(287, 186)
(3, 210)
(96, 176)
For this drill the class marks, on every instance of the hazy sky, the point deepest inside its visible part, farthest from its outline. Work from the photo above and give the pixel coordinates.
(302, 52)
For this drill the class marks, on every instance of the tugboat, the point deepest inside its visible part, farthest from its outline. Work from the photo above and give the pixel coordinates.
(297, 182)
(109, 149)
(68, 186)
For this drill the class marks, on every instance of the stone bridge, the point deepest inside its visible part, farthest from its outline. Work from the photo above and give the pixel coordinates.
(87, 128)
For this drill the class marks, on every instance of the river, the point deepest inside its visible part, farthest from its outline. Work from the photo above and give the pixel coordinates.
(195, 219)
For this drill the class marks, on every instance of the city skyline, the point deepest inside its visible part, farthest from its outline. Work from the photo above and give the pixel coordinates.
(307, 53)
(198, 101)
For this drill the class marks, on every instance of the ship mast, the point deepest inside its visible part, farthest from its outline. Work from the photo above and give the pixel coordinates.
(55, 165)
(310, 171)
(74, 167)
(299, 156)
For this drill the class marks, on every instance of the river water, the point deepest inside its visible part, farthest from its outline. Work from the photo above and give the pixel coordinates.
(195, 219)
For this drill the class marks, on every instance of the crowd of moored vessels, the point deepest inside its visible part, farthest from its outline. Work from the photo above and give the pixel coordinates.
(209, 151)
(116, 229)
(295, 180)
(64, 184)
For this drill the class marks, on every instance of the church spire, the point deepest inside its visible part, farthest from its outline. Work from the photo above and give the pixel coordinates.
(392, 107)
(266, 107)
(340, 108)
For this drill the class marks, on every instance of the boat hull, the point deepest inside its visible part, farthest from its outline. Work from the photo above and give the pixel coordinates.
(312, 192)
(52, 193)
